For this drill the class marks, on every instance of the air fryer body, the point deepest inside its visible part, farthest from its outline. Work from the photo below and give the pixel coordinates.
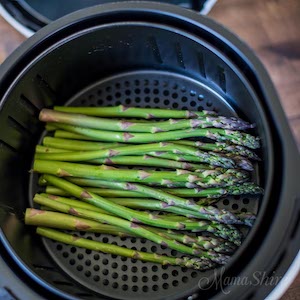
(71, 61)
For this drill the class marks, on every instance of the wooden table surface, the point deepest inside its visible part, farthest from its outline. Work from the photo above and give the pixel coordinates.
(272, 29)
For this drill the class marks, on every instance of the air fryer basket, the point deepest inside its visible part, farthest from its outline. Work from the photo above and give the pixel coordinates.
(144, 55)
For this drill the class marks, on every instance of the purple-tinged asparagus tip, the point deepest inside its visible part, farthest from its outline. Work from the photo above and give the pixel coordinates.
(156, 129)
(166, 182)
(85, 194)
(124, 108)
(143, 174)
(112, 152)
(75, 238)
(164, 244)
(108, 161)
(79, 225)
(187, 166)
(163, 144)
(190, 203)
(181, 226)
(164, 204)
(130, 187)
(63, 173)
(181, 172)
(73, 211)
(125, 124)
(190, 114)
(134, 225)
(136, 255)
(159, 153)
(127, 136)
(153, 216)
(150, 116)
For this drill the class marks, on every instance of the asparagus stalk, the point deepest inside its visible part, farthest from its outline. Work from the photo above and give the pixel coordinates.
(211, 158)
(110, 187)
(99, 191)
(71, 135)
(214, 214)
(44, 149)
(213, 194)
(58, 220)
(209, 212)
(205, 243)
(241, 162)
(220, 230)
(134, 112)
(131, 227)
(147, 204)
(120, 210)
(195, 263)
(63, 221)
(232, 151)
(84, 205)
(220, 147)
(207, 178)
(146, 160)
(52, 116)
(150, 161)
(217, 134)
(76, 145)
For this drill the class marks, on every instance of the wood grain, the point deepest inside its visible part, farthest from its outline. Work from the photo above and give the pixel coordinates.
(272, 29)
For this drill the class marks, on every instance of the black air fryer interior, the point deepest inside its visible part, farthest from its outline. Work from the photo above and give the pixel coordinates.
(35, 14)
(131, 56)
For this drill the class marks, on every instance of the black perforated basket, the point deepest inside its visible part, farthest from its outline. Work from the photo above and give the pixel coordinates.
(147, 55)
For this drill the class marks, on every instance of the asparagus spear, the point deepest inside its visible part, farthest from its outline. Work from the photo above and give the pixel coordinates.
(80, 204)
(207, 178)
(222, 216)
(71, 135)
(211, 158)
(150, 161)
(147, 204)
(76, 145)
(220, 147)
(220, 230)
(134, 112)
(145, 160)
(131, 227)
(44, 149)
(239, 162)
(99, 191)
(239, 189)
(217, 134)
(195, 263)
(52, 116)
(215, 147)
(58, 220)
(68, 222)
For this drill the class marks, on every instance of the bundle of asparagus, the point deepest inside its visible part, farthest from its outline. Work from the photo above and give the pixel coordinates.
(88, 190)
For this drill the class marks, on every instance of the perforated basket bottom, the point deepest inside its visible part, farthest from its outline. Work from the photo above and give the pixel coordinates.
(120, 277)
